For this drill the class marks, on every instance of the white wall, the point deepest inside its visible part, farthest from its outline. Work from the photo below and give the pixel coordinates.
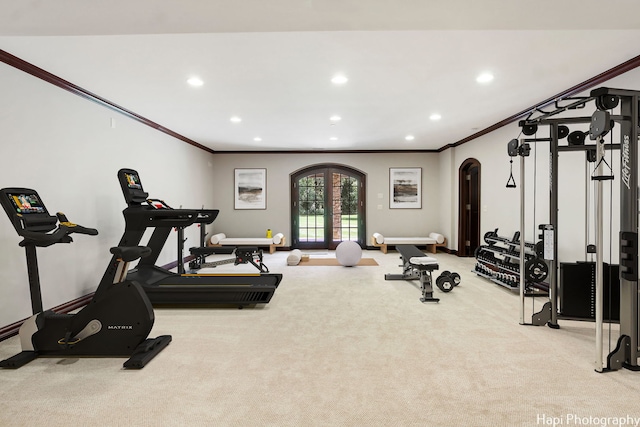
(446, 203)
(64, 147)
(381, 219)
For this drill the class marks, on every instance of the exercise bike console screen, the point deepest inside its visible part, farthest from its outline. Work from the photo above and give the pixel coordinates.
(26, 210)
(26, 203)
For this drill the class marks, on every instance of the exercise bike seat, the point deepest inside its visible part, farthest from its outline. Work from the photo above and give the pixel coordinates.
(130, 253)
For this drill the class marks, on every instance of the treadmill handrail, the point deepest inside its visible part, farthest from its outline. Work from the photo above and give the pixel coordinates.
(163, 217)
(202, 216)
(207, 216)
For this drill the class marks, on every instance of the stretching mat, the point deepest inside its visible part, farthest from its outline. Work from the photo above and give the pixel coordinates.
(332, 261)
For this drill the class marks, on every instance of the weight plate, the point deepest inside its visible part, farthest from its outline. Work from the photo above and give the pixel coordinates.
(540, 249)
(487, 236)
(456, 279)
(446, 273)
(535, 270)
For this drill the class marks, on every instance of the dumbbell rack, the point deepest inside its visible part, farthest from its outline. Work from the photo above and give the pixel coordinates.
(499, 262)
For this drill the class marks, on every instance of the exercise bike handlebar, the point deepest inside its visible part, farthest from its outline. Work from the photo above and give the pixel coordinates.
(79, 229)
(60, 235)
(75, 228)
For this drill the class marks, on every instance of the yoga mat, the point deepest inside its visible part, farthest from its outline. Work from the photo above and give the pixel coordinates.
(332, 261)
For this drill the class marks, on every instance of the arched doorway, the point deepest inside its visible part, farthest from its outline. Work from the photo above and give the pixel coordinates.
(469, 207)
(327, 206)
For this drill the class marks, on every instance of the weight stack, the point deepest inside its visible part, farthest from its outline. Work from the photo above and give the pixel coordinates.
(577, 291)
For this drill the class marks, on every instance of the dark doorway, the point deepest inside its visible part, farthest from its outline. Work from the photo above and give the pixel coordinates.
(327, 206)
(469, 207)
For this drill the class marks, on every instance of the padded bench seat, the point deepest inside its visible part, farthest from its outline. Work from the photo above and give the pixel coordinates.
(221, 239)
(432, 242)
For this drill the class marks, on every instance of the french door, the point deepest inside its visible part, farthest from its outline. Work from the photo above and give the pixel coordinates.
(327, 207)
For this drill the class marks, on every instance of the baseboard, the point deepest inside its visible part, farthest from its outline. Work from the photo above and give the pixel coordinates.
(12, 329)
(174, 264)
(438, 248)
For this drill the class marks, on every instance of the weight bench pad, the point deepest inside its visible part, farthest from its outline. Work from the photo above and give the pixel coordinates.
(425, 260)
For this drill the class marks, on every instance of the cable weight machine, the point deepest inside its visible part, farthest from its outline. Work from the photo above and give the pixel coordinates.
(626, 352)
(533, 270)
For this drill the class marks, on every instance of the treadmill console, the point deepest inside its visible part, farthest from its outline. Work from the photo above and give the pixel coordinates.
(26, 210)
(131, 186)
(145, 212)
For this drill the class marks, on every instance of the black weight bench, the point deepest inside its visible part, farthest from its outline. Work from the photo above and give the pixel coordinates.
(416, 265)
(243, 255)
(199, 255)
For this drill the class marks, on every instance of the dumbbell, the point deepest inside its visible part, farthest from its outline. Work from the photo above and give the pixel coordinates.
(447, 281)
(455, 277)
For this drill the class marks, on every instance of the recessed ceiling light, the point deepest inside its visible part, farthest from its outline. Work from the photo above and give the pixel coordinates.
(409, 137)
(333, 138)
(435, 116)
(484, 78)
(339, 79)
(257, 139)
(235, 119)
(195, 81)
(335, 118)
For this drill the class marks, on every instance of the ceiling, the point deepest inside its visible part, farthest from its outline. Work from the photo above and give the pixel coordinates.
(270, 63)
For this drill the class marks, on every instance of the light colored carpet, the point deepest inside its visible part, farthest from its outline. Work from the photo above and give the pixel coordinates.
(336, 347)
(309, 262)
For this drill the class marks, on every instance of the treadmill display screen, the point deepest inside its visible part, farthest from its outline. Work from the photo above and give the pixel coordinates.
(27, 203)
(133, 181)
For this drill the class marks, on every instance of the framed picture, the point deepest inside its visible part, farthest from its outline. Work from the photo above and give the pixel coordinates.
(405, 188)
(250, 189)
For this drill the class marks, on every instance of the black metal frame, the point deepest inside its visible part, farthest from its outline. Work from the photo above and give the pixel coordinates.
(626, 353)
(117, 320)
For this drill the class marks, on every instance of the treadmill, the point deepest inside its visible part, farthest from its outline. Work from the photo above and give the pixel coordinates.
(165, 288)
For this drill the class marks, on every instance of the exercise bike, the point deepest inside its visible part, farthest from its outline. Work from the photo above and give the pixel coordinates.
(117, 320)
